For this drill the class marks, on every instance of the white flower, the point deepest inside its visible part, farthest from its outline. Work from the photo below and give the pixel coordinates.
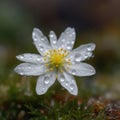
(56, 61)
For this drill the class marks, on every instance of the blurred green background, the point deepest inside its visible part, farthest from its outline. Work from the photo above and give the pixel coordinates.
(95, 21)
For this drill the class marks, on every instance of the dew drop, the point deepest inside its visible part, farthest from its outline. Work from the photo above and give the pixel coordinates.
(54, 41)
(21, 73)
(73, 33)
(51, 35)
(73, 72)
(72, 42)
(89, 54)
(89, 49)
(41, 48)
(92, 71)
(42, 91)
(19, 68)
(77, 57)
(72, 86)
(39, 44)
(66, 83)
(29, 67)
(34, 37)
(63, 40)
(46, 80)
(69, 46)
(38, 59)
(42, 38)
(62, 79)
(21, 57)
(86, 56)
(30, 57)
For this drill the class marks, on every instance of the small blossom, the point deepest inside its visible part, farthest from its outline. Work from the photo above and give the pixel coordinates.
(56, 60)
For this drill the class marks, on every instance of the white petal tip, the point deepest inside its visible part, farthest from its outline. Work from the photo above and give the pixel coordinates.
(34, 29)
(93, 71)
(93, 46)
(40, 92)
(70, 29)
(19, 57)
(74, 91)
(18, 71)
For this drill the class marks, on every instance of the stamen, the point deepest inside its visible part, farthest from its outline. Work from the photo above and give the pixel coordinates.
(56, 58)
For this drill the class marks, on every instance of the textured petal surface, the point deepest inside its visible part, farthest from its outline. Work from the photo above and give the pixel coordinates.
(68, 82)
(30, 69)
(44, 82)
(53, 39)
(67, 39)
(40, 41)
(31, 58)
(80, 69)
(83, 52)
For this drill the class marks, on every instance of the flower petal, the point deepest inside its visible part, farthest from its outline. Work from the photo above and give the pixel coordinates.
(41, 42)
(44, 82)
(31, 58)
(81, 53)
(80, 69)
(53, 39)
(67, 39)
(68, 82)
(30, 69)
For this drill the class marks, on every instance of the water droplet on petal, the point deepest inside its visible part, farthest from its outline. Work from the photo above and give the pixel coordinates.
(73, 72)
(54, 41)
(43, 89)
(42, 38)
(21, 57)
(38, 59)
(92, 71)
(72, 42)
(34, 37)
(68, 46)
(39, 44)
(63, 40)
(66, 83)
(21, 73)
(41, 48)
(46, 80)
(19, 68)
(77, 57)
(86, 56)
(72, 87)
(29, 67)
(89, 54)
(89, 49)
(62, 78)
(30, 57)
(51, 35)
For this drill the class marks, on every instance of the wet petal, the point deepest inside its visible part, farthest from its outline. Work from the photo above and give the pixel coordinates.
(31, 58)
(44, 82)
(30, 69)
(80, 69)
(40, 41)
(67, 39)
(68, 82)
(53, 39)
(81, 53)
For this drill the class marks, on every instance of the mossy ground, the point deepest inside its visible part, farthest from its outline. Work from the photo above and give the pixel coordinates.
(20, 102)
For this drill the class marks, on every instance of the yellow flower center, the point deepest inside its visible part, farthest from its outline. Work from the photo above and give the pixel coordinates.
(56, 58)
